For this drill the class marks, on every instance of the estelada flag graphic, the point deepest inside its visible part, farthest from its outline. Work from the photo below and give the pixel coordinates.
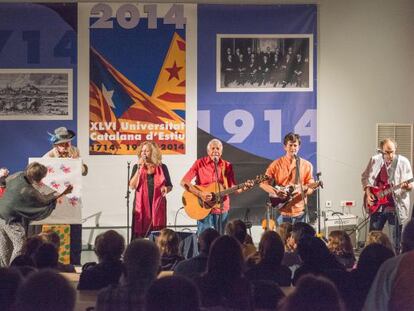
(170, 87)
(122, 115)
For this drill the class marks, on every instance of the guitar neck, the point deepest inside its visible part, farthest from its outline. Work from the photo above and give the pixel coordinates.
(231, 189)
(393, 188)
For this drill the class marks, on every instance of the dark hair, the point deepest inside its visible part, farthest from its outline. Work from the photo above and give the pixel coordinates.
(206, 238)
(109, 246)
(31, 245)
(46, 256)
(51, 237)
(46, 290)
(172, 293)
(10, 282)
(339, 243)
(303, 298)
(407, 241)
(237, 229)
(225, 260)
(141, 260)
(271, 248)
(36, 171)
(168, 242)
(266, 294)
(291, 137)
(371, 258)
(302, 229)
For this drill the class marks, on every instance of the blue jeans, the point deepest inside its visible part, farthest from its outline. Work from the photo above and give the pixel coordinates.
(281, 219)
(212, 221)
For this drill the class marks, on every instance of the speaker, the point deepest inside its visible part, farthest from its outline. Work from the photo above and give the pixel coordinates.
(345, 222)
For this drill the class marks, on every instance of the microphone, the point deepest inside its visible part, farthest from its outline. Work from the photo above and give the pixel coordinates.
(295, 156)
(215, 159)
(380, 151)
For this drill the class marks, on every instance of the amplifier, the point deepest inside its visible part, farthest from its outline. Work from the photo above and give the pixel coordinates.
(339, 221)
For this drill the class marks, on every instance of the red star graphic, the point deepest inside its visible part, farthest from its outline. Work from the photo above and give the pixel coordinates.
(173, 71)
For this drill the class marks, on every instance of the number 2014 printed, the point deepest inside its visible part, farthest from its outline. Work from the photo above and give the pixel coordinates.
(128, 16)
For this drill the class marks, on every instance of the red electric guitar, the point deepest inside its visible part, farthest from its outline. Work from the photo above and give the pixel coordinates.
(381, 195)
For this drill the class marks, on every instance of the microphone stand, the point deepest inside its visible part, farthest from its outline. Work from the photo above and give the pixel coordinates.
(127, 198)
(318, 203)
(220, 229)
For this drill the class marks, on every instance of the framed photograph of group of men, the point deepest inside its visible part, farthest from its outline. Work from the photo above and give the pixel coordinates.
(264, 63)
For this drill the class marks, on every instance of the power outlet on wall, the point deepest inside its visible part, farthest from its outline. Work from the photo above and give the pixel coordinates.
(328, 203)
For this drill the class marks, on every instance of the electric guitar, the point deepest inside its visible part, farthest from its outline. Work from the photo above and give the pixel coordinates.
(381, 196)
(294, 196)
(198, 209)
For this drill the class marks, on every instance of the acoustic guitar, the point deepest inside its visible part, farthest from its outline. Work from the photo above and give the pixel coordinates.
(198, 209)
(293, 196)
(381, 196)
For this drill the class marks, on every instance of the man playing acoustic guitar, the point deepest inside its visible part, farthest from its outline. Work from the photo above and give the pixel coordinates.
(300, 181)
(211, 172)
(386, 182)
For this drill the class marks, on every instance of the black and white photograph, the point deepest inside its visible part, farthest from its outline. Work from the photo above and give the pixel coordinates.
(264, 63)
(36, 94)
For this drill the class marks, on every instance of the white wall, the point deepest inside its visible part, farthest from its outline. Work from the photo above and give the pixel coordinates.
(365, 76)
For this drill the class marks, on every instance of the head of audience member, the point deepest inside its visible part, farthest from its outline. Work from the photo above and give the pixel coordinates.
(237, 229)
(266, 295)
(314, 253)
(370, 260)
(304, 296)
(51, 237)
(285, 231)
(271, 248)
(46, 256)
(299, 231)
(407, 240)
(35, 172)
(172, 293)
(215, 149)
(225, 260)
(23, 261)
(339, 243)
(10, 282)
(109, 246)
(31, 245)
(168, 242)
(206, 239)
(379, 237)
(141, 261)
(46, 290)
(291, 144)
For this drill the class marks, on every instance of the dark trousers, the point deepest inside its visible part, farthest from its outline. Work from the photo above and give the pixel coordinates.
(377, 222)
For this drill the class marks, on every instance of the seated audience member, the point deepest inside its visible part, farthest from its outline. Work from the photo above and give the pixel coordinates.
(10, 282)
(29, 249)
(269, 267)
(340, 245)
(379, 237)
(392, 288)
(370, 260)
(317, 259)
(266, 295)
(172, 293)
(109, 247)
(299, 230)
(195, 266)
(53, 237)
(285, 232)
(313, 293)
(223, 284)
(238, 230)
(46, 256)
(45, 290)
(142, 262)
(168, 243)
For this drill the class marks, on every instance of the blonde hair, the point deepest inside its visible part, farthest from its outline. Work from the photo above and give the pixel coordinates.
(168, 242)
(156, 156)
(379, 237)
(339, 243)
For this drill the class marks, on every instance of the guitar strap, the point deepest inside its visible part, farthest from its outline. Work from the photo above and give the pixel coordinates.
(297, 170)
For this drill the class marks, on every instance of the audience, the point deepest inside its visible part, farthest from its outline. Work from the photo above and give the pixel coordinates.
(46, 256)
(340, 245)
(172, 293)
(379, 237)
(313, 293)
(142, 262)
(10, 280)
(168, 243)
(45, 290)
(392, 288)
(238, 230)
(285, 232)
(267, 295)
(53, 237)
(109, 247)
(269, 267)
(223, 284)
(195, 266)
